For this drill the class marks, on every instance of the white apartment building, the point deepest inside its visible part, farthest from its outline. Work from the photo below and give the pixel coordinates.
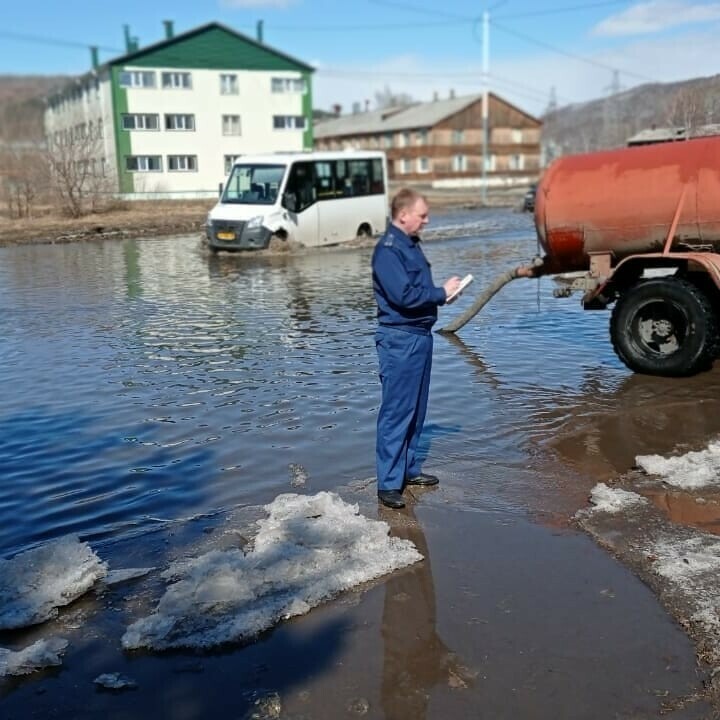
(168, 120)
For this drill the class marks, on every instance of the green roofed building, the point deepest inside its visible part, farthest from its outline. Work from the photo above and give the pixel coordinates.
(167, 120)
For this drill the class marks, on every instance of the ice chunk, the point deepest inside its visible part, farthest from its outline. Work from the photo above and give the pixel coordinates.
(692, 470)
(612, 500)
(115, 681)
(115, 577)
(36, 582)
(43, 653)
(307, 550)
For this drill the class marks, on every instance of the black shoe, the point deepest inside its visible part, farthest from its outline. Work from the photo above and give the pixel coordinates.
(422, 479)
(391, 499)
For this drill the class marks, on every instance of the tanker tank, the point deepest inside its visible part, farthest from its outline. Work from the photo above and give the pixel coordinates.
(624, 201)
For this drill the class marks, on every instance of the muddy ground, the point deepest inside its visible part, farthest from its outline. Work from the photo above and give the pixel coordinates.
(181, 217)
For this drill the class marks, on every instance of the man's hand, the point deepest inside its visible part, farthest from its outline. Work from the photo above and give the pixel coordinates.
(450, 286)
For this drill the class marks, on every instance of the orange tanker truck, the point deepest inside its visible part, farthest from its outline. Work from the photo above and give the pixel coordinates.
(639, 229)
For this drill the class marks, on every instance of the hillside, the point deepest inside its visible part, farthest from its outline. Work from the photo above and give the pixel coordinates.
(22, 104)
(609, 122)
(602, 123)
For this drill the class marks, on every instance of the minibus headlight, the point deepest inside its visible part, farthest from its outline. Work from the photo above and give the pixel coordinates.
(255, 222)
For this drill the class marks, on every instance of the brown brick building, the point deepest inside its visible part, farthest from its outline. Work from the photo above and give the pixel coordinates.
(442, 139)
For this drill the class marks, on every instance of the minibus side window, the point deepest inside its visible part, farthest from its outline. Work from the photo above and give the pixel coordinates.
(300, 190)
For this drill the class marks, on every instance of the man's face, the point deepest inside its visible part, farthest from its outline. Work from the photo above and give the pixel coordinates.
(415, 217)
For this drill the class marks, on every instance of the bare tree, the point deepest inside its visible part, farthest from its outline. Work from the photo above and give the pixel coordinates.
(24, 177)
(77, 169)
(386, 98)
(686, 109)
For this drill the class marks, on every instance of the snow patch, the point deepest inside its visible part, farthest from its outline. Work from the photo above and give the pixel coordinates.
(35, 583)
(41, 654)
(692, 567)
(308, 549)
(693, 470)
(612, 500)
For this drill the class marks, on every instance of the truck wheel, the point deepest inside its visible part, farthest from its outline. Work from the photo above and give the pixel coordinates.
(664, 326)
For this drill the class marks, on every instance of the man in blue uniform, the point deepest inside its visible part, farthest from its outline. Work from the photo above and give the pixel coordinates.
(407, 303)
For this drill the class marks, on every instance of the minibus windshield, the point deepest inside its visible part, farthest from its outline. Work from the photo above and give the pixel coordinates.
(254, 184)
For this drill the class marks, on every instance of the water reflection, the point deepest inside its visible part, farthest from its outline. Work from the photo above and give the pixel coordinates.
(700, 511)
(415, 659)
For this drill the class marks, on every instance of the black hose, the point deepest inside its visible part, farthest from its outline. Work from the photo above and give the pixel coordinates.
(480, 301)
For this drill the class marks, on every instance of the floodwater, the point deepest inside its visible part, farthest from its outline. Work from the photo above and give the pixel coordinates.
(146, 382)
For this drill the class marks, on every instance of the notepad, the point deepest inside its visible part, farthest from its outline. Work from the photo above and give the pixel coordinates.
(463, 284)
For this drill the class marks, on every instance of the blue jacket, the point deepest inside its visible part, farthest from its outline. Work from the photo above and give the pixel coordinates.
(403, 285)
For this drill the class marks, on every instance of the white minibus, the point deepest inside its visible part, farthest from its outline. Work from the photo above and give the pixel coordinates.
(311, 198)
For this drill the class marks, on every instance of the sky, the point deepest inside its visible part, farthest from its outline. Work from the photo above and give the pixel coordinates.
(569, 50)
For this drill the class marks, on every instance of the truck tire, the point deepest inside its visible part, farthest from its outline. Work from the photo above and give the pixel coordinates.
(664, 326)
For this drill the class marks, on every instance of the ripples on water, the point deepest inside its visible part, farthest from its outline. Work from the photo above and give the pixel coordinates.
(146, 381)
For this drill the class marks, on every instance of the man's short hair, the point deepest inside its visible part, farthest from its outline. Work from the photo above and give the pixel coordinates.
(403, 200)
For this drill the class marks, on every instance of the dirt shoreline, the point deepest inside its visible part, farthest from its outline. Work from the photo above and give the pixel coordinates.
(166, 218)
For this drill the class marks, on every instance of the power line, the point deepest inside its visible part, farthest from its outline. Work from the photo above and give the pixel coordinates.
(580, 58)
(419, 9)
(543, 94)
(52, 41)
(561, 10)
(374, 27)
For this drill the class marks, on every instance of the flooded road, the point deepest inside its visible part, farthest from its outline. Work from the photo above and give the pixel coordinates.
(146, 382)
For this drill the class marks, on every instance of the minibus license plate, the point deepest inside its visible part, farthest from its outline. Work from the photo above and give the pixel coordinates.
(226, 236)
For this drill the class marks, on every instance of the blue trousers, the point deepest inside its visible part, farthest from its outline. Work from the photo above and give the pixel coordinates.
(405, 364)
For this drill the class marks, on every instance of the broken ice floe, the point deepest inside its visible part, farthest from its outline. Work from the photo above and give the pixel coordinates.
(115, 681)
(308, 549)
(35, 583)
(612, 500)
(691, 470)
(114, 577)
(41, 654)
(298, 475)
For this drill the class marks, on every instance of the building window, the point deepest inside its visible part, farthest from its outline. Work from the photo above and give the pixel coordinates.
(421, 137)
(229, 84)
(289, 122)
(459, 163)
(137, 78)
(403, 166)
(405, 139)
(517, 162)
(423, 165)
(388, 140)
(458, 137)
(228, 162)
(179, 122)
(138, 121)
(517, 136)
(182, 163)
(143, 163)
(231, 125)
(285, 85)
(177, 80)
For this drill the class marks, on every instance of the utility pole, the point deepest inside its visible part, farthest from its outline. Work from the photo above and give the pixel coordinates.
(486, 96)
(485, 101)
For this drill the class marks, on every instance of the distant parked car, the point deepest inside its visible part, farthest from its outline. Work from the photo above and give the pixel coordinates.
(529, 198)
